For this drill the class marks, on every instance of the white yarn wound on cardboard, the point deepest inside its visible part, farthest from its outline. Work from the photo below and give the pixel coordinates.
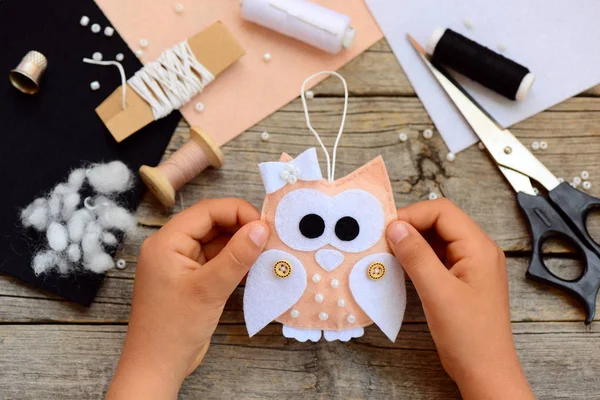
(78, 232)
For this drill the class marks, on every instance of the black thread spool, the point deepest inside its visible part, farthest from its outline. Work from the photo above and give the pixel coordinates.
(477, 62)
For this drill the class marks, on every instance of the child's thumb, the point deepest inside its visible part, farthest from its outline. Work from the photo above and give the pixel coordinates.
(416, 257)
(234, 261)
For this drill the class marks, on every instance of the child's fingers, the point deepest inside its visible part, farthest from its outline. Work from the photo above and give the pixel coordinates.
(418, 259)
(227, 269)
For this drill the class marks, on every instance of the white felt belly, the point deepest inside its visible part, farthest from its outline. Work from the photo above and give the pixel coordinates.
(384, 299)
(267, 296)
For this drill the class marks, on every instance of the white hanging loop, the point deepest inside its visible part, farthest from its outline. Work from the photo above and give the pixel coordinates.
(121, 72)
(330, 163)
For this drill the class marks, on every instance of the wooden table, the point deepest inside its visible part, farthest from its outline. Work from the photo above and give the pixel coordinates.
(50, 348)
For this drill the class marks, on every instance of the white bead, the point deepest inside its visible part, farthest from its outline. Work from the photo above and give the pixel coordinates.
(309, 94)
(178, 8)
(501, 47)
(403, 137)
(432, 196)
(341, 303)
(468, 23)
(84, 21)
(95, 85)
(351, 319)
(144, 43)
(323, 316)
(267, 57)
(95, 28)
(427, 133)
(199, 107)
(536, 191)
(264, 136)
(316, 278)
(577, 180)
(450, 156)
(319, 298)
(292, 179)
(535, 145)
(97, 56)
(561, 180)
(109, 31)
(139, 52)
(285, 175)
(294, 313)
(586, 185)
(481, 146)
(335, 283)
(121, 264)
(573, 185)
(543, 145)
(585, 175)
(120, 57)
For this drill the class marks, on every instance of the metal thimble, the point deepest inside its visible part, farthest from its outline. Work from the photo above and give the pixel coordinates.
(26, 77)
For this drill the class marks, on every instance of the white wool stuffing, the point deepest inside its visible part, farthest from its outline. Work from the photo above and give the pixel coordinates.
(113, 177)
(78, 233)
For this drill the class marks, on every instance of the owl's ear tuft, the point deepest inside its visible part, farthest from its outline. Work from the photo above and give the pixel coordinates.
(285, 157)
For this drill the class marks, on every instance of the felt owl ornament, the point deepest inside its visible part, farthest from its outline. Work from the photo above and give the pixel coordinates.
(327, 269)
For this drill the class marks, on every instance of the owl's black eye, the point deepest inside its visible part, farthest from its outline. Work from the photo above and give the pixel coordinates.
(347, 229)
(312, 226)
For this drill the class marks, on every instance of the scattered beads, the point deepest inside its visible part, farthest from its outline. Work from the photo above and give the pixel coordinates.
(535, 145)
(316, 278)
(178, 8)
(432, 196)
(543, 145)
(561, 180)
(309, 94)
(264, 136)
(97, 56)
(351, 319)
(267, 57)
(536, 191)
(403, 137)
(144, 43)
(84, 21)
(501, 47)
(468, 23)
(586, 185)
(335, 283)
(585, 175)
(95, 28)
(341, 303)
(323, 316)
(109, 31)
(319, 298)
(428, 133)
(450, 156)
(139, 52)
(95, 85)
(481, 146)
(577, 180)
(121, 264)
(120, 57)
(294, 313)
(199, 107)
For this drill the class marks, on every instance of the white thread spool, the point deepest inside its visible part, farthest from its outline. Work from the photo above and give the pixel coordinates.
(305, 21)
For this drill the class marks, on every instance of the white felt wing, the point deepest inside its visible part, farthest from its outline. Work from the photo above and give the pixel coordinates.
(267, 296)
(383, 300)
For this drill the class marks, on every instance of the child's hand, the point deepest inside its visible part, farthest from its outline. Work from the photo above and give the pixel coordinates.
(186, 272)
(460, 276)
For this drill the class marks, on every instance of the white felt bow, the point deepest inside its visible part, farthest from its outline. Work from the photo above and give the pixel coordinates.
(276, 175)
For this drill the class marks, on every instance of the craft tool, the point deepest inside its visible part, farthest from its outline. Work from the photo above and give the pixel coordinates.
(303, 20)
(27, 75)
(562, 214)
(185, 164)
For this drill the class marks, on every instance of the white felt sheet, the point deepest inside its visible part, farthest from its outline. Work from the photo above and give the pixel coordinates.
(557, 40)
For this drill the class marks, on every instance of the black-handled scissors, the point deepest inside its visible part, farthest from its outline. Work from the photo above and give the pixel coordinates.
(562, 214)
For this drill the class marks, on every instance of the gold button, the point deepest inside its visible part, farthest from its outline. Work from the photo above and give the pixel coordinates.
(282, 268)
(376, 270)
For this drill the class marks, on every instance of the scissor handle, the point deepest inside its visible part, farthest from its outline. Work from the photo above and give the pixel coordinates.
(575, 207)
(545, 222)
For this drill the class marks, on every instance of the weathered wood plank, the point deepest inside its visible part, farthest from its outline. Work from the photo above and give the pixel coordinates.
(530, 301)
(76, 362)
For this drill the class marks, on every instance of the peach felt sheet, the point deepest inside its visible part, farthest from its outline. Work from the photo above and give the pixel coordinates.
(251, 88)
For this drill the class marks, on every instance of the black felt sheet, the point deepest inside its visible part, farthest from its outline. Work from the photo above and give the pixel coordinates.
(44, 136)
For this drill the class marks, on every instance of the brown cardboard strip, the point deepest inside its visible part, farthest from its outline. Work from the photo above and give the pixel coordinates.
(214, 47)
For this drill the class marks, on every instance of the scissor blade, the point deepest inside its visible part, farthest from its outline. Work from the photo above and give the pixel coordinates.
(519, 182)
(502, 145)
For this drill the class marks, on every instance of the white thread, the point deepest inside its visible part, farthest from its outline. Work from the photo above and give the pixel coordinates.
(172, 80)
(330, 163)
(121, 72)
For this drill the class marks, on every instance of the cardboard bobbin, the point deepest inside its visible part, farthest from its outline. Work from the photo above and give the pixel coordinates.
(157, 182)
